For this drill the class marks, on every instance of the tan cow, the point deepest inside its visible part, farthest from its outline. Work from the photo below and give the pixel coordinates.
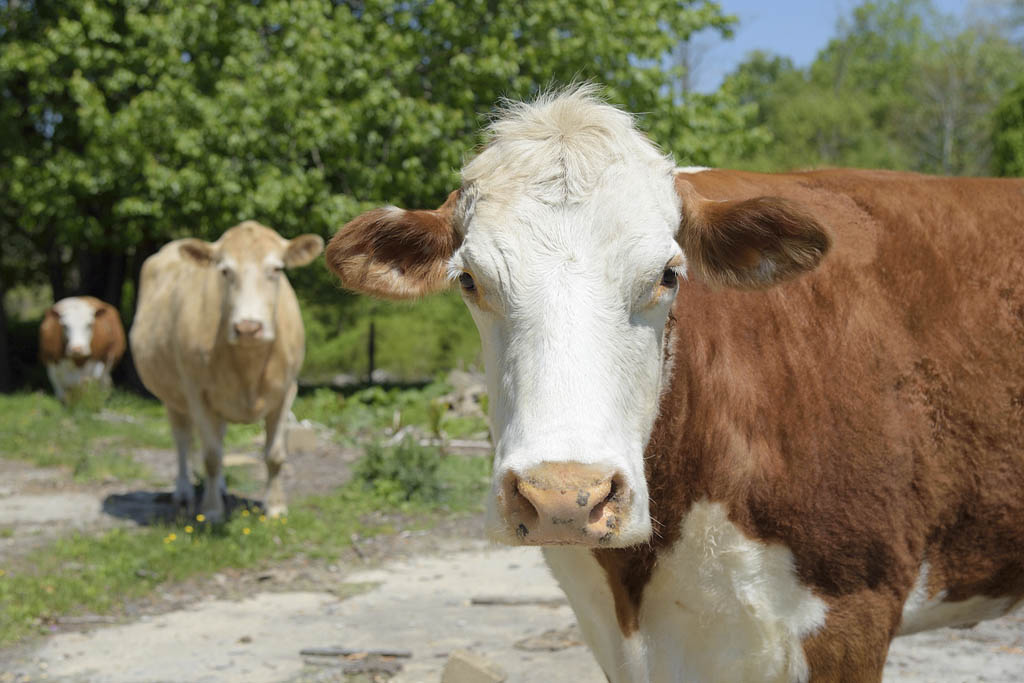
(762, 423)
(218, 338)
(81, 339)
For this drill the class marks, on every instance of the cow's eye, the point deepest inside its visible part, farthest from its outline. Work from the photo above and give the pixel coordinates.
(669, 278)
(466, 281)
(225, 271)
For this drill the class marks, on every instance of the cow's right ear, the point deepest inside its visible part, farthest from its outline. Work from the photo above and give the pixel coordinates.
(199, 252)
(396, 254)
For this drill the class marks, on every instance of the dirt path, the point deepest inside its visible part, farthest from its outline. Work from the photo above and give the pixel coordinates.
(411, 591)
(423, 604)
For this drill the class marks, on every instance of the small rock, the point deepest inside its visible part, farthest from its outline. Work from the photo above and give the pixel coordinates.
(302, 439)
(467, 667)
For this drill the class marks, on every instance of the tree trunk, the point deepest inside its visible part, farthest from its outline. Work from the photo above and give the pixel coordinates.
(55, 271)
(5, 358)
(125, 374)
(101, 274)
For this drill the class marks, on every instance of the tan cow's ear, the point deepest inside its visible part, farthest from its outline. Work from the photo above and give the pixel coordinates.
(396, 254)
(302, 250)
(748, 243)
(199, 252)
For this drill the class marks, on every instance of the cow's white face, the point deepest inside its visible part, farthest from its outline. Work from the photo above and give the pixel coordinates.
(77, 317)
(567, 239)
(571, 304)
(250, 260)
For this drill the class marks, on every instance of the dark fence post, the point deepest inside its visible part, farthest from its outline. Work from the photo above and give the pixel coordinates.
(371, 349)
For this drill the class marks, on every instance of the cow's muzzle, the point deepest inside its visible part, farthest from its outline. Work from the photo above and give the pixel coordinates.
(565, 503)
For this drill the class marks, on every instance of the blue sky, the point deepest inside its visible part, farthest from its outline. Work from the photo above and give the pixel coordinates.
(795, 28)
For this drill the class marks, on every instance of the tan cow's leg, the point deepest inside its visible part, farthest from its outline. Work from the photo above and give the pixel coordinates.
(211, 433)
(181, 428)
(275, 453)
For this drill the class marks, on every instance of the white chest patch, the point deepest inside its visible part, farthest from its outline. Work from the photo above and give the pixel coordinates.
(719, 607)
(64, 375)
(722, 606)
(923, 612)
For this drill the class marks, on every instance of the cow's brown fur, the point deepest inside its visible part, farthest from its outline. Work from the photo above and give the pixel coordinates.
(396, 254)
(868, 415)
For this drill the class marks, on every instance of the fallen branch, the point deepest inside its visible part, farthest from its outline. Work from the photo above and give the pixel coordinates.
(86, 619)
(506, 601)
(349, 652)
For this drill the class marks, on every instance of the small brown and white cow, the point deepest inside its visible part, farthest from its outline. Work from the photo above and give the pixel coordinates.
(81, 339)
(218, 338)
(762, 423)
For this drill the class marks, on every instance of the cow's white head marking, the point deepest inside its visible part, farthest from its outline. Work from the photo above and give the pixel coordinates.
(567, 238)
(251, 260)
(77, 317)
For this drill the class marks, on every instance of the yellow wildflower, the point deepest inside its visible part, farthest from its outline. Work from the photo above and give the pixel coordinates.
(245, 513)
(246, 531)
(188, 528)
(263, 518)
(200, 517)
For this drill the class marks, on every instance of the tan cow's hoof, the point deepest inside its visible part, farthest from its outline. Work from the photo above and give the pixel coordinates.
(277, 510)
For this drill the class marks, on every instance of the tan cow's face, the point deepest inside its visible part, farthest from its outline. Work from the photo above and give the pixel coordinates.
(250, 260)
(567, 239)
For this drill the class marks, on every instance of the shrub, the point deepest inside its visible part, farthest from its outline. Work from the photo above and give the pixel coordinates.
(406, 472)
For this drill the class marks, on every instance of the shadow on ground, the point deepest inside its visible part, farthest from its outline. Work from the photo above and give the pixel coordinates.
(146, 508)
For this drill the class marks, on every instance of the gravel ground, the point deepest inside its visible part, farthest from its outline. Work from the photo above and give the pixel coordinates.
(411, 591)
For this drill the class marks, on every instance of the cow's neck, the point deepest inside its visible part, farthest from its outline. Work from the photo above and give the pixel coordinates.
(247, 365)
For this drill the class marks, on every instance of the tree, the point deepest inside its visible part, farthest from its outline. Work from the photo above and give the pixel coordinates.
(899, 87)
(136, 121)
(1008, 134)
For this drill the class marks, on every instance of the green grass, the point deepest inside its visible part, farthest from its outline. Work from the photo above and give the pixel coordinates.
(95, 444)
(97, 574)
(95, 434)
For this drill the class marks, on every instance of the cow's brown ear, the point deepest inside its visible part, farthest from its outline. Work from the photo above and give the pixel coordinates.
(395, 254)
(199, 252)
(302, 250)
(749, 243)
(51, 337)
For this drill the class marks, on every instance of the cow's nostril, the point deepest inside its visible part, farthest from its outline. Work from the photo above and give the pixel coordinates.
(597, 512)
(519, 504)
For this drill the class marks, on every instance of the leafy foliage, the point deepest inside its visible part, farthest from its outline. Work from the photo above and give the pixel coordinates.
(900, 87)
(1009, 133)
(132, 123)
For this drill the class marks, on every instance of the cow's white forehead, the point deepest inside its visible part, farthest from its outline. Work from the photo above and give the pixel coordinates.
(74, 312)
(568, 179)
(556, 149)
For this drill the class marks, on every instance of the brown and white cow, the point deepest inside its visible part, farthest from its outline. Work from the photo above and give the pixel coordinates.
(218, 338)
(762, 423)
(81, 339)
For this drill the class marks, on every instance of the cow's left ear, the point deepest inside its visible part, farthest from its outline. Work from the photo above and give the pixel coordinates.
(748, 243)
(302, 250)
